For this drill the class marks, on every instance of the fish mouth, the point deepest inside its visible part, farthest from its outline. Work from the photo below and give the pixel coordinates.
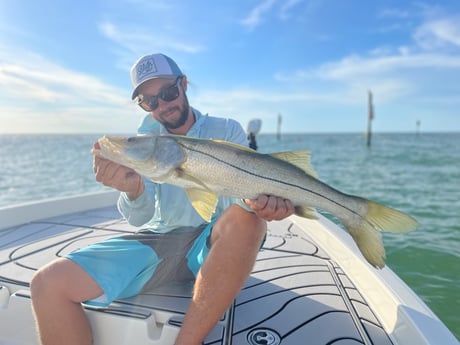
(109, 148)
(122, 150)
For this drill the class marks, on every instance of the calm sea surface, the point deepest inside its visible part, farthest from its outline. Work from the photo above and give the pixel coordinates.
(418, 174)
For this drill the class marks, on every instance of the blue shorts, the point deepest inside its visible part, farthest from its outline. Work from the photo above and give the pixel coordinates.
(127, 265)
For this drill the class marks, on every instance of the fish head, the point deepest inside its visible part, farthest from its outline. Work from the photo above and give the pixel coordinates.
(152, 156)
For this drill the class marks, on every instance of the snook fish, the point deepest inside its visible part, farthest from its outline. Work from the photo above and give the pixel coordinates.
(208, 168)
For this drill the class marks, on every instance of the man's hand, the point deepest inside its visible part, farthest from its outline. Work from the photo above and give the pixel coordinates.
(270, 207)
(118, 176)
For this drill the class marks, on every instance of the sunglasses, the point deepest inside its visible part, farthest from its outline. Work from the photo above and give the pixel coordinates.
(168, 94)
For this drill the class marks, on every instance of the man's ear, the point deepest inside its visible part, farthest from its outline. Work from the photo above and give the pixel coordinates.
(184, 82)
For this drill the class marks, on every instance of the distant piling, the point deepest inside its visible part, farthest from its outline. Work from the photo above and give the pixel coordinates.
(370, 117)
(278, 130)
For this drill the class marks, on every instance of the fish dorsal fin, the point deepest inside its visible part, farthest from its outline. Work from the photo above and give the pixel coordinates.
(300, 159)
(218, 141)
(234, 145)
(203, 202)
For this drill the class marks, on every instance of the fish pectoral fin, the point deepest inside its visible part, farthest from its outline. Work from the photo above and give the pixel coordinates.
(306, 212)
(203, 202)
(300, 159)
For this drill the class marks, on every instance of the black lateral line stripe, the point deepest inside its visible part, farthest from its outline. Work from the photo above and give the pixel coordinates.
(271, 179)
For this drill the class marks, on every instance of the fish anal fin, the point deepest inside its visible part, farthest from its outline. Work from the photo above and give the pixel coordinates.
(300, 159)
(306, 212)
(203, 202)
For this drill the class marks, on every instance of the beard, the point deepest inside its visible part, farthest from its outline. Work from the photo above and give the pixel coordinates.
(184, 110)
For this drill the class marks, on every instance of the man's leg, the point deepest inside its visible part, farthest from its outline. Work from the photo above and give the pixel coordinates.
(57, 290)
(235, 242)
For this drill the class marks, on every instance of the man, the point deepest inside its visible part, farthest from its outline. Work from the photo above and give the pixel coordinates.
(175, 244)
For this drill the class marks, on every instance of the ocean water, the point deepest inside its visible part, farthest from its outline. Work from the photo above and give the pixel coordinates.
(416, 173)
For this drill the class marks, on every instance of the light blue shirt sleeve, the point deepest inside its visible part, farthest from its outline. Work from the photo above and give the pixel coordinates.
(138, 212)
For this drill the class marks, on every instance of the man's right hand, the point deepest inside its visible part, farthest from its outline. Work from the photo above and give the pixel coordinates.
(118, 176)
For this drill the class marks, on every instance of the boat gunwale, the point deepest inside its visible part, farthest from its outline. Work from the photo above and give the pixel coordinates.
(409, 315)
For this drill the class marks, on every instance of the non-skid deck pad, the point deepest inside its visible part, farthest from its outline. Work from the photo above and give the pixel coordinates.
(295, 294)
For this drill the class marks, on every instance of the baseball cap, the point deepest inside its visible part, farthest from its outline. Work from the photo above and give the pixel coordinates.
(153, 66)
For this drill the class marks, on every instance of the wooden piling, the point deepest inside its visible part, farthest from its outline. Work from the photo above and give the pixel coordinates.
(278, 131)
(370, 117)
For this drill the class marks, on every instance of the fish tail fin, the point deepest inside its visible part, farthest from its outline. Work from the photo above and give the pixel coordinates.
(379, 218)
(388, 219)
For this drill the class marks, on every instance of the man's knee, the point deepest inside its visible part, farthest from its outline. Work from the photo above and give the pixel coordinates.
(237, 224)
(38, 284)
(48, 279)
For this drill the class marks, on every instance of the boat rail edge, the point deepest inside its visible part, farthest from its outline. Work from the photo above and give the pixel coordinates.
(15, 215)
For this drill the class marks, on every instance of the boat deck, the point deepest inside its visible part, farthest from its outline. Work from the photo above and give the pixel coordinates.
(296, 294)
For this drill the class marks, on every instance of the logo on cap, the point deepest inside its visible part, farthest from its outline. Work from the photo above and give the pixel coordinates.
(146, 67)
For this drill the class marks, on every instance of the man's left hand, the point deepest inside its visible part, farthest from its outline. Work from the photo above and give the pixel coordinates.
(270, 207)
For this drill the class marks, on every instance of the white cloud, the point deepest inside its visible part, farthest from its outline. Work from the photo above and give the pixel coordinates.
(353, 67)
(133, 38)
(268, 7)
(39, 95)
(395, 13)
(36, 79)
(286, 7)
(255, 17)
(438, 33)
(392, 77)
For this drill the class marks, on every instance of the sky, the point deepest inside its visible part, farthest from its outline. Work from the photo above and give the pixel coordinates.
(64, 64)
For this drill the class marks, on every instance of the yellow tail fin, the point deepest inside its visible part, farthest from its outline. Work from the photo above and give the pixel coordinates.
(379, 218)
